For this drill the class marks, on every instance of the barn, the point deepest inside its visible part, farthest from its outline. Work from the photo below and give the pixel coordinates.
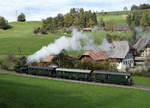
(91, 55)
(120, 52)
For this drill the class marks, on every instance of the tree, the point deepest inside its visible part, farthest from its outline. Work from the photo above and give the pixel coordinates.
(76, 17)
(48, 23)
(60, 20)
(102, 23)
(134, 7)
(143, 22)
(125, 9)
(82, 21)
(110, 25)
(68, 20)
(4, 23)
(63, 60)
(21, 18)
(144, 6)
(109, 38)
(135, 19)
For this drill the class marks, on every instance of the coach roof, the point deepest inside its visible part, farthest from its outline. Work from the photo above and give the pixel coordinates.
(73, 70)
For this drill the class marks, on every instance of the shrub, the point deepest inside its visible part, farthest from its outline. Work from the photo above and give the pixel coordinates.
(94, 65)
(144, 74)
(38, 30)
(21, 18)
(10, 61)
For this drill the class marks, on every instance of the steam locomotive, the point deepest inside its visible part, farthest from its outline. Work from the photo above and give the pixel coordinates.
(124, 78)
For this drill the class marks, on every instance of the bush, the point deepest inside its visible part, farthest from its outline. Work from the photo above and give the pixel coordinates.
(38, 30)
(10, 61)
(21, 18)
(94, 65)
(141, 73)
(144, 74)
(4, 23)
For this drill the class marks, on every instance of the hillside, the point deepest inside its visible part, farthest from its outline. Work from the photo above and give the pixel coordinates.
(21, 37)
(21, 40)
(118, 17)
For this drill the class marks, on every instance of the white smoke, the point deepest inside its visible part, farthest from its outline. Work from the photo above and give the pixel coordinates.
(77, 42)
(104, 46)
(138, 31)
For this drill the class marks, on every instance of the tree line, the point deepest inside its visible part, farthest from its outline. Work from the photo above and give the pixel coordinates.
(140, 7)
(135, 19)
(76, 17)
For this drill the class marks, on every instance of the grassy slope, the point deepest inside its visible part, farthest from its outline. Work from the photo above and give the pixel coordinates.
(117, 19)
(26, 92)
(21, 37)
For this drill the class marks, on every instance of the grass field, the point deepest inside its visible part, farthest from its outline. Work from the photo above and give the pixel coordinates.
(27, 92)
(143, 81)
(117, 19)
(20, 39)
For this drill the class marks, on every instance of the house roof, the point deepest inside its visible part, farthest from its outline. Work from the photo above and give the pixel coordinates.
(48, 59)
(87, 29)
(141, 44)
(118, 49)
(113, 73)
(122, 28)
(98, 55)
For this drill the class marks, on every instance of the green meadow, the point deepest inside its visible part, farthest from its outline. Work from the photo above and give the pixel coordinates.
(117, 19)
(28, 92)
(20, 39)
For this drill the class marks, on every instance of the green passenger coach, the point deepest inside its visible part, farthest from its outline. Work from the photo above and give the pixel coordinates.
(113, 77)
(73, 73)
(43, 71)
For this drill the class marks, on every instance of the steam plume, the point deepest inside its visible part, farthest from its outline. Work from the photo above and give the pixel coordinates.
(77, 42)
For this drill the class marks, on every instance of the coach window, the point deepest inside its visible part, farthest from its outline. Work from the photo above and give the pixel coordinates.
(107, 76)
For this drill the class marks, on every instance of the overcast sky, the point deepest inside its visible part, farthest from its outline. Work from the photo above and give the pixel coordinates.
(39, 9)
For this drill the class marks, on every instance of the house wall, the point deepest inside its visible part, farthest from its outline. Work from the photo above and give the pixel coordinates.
(139, 59)
(85, 59)
(128, 61)
(146, 52)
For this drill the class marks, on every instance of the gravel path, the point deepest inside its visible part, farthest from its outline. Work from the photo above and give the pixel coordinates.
(76, 81)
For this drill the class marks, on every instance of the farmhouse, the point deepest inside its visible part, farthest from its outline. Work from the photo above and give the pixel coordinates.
(71, 28)
(122, 28)
(142, 50)
(120, 52)
(46, 62)
(86, 29)
(96, 56)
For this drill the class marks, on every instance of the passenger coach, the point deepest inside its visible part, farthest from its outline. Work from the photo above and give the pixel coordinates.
(73, 73)
(113, 77)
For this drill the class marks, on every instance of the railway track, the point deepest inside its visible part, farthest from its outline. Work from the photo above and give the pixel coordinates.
(81, 82)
